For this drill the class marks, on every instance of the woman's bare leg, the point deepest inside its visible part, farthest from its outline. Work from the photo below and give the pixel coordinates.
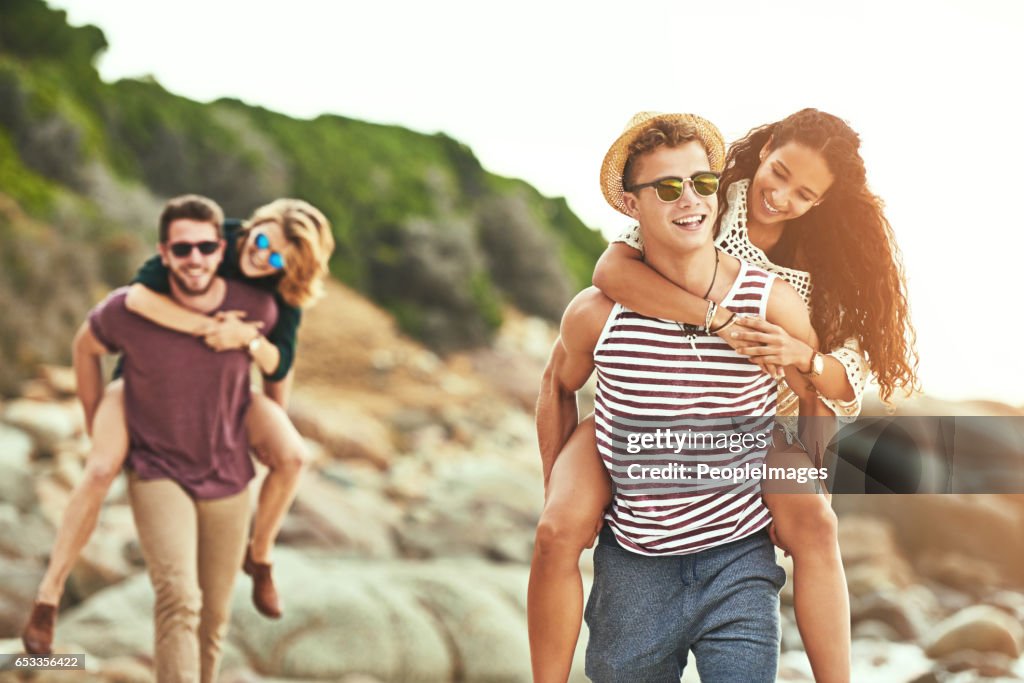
(280, 447)
(806, 527)
(103, 463)
(579, 490)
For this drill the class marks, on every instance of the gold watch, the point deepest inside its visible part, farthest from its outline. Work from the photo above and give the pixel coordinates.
(817, 366)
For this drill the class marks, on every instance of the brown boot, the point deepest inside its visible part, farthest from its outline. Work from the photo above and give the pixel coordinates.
(38, 634)
(264, 595)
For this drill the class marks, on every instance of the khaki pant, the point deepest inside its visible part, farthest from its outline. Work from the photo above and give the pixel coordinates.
(193, 551)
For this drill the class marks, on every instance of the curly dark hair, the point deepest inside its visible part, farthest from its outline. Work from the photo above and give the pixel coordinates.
(845, 243)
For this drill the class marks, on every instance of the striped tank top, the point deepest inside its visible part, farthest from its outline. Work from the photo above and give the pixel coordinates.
(674, 409)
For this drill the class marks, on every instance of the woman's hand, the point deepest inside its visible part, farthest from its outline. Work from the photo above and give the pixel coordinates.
(738, 343)
(229, 331)
(766, 343)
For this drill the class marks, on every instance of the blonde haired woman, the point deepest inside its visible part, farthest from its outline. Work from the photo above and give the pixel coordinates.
(283, 248)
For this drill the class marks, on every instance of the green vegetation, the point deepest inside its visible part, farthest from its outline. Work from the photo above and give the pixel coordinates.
(421, 227)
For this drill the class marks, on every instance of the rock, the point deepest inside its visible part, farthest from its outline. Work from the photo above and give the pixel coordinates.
(17, 487)
(905, 612)
(15, 448)
(873, 629)
(878, 662)
(48, 423)
(966, 574)
(105, 560)
(126, 670)
(389, 621)
(17, 591)
(24, 535)
(68, 468)
(949, 599)
(37, 390)
(1010, 602)
(791, 639)
(409, 480)
(990, 664)
(872, 559)
(871, 579)
(476, 506)
(114, 622)
(353, 520)
(61, 379)
(975, 526)
(794, 667)
(347, 432)
(52, 497)
(979, 627)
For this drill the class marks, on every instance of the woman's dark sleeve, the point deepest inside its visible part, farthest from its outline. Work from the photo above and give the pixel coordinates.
(283, 337)
(153, 274)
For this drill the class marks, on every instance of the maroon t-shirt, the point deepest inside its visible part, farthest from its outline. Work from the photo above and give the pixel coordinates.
(185, 403)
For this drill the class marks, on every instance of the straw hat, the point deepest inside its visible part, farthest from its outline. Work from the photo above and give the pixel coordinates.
(615, 160)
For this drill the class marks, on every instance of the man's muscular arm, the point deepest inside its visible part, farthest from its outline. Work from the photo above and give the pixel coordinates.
(570, 365)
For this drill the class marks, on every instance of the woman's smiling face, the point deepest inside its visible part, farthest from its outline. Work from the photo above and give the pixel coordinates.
(255, 261)
(789, 181)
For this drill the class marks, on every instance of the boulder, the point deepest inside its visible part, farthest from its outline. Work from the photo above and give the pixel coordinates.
(394, 622)
(979, 627)
(23, 534)
(347, 432)
(351, 519)
(107, 557)
(879, 662)
(974, 526)
(49, 423)
(906, 612)
(17, 591)
(476, 507)
(16, 447)
(988, 664)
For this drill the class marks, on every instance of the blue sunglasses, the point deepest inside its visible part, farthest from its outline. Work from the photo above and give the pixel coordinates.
(276, 260)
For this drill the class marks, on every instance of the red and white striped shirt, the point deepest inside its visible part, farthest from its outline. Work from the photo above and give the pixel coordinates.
(653, 377)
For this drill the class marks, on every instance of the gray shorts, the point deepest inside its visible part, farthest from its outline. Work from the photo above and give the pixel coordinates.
(646, 613)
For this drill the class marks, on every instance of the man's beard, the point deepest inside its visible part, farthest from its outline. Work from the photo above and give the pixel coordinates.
(186, 289)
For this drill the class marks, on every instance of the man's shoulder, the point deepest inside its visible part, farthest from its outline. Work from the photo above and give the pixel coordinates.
(585, 317)
(114, 301)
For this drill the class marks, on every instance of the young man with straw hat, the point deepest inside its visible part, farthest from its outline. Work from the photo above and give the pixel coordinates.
(684, 561)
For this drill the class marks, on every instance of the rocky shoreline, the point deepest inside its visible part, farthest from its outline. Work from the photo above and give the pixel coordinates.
(406, 555)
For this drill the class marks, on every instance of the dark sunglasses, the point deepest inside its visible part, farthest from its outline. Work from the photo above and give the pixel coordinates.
(183, 249)
(276, 260)
(705, 184)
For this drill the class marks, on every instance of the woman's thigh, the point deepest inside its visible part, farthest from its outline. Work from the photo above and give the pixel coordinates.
(271, 433)
(109, 446)
(579, 488)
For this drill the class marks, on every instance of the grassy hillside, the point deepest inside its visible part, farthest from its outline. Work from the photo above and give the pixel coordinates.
(421, 227)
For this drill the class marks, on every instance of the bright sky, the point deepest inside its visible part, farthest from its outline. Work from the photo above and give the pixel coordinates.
(539, 89)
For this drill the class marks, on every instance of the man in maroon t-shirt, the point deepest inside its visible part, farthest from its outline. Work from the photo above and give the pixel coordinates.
(188, 457)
